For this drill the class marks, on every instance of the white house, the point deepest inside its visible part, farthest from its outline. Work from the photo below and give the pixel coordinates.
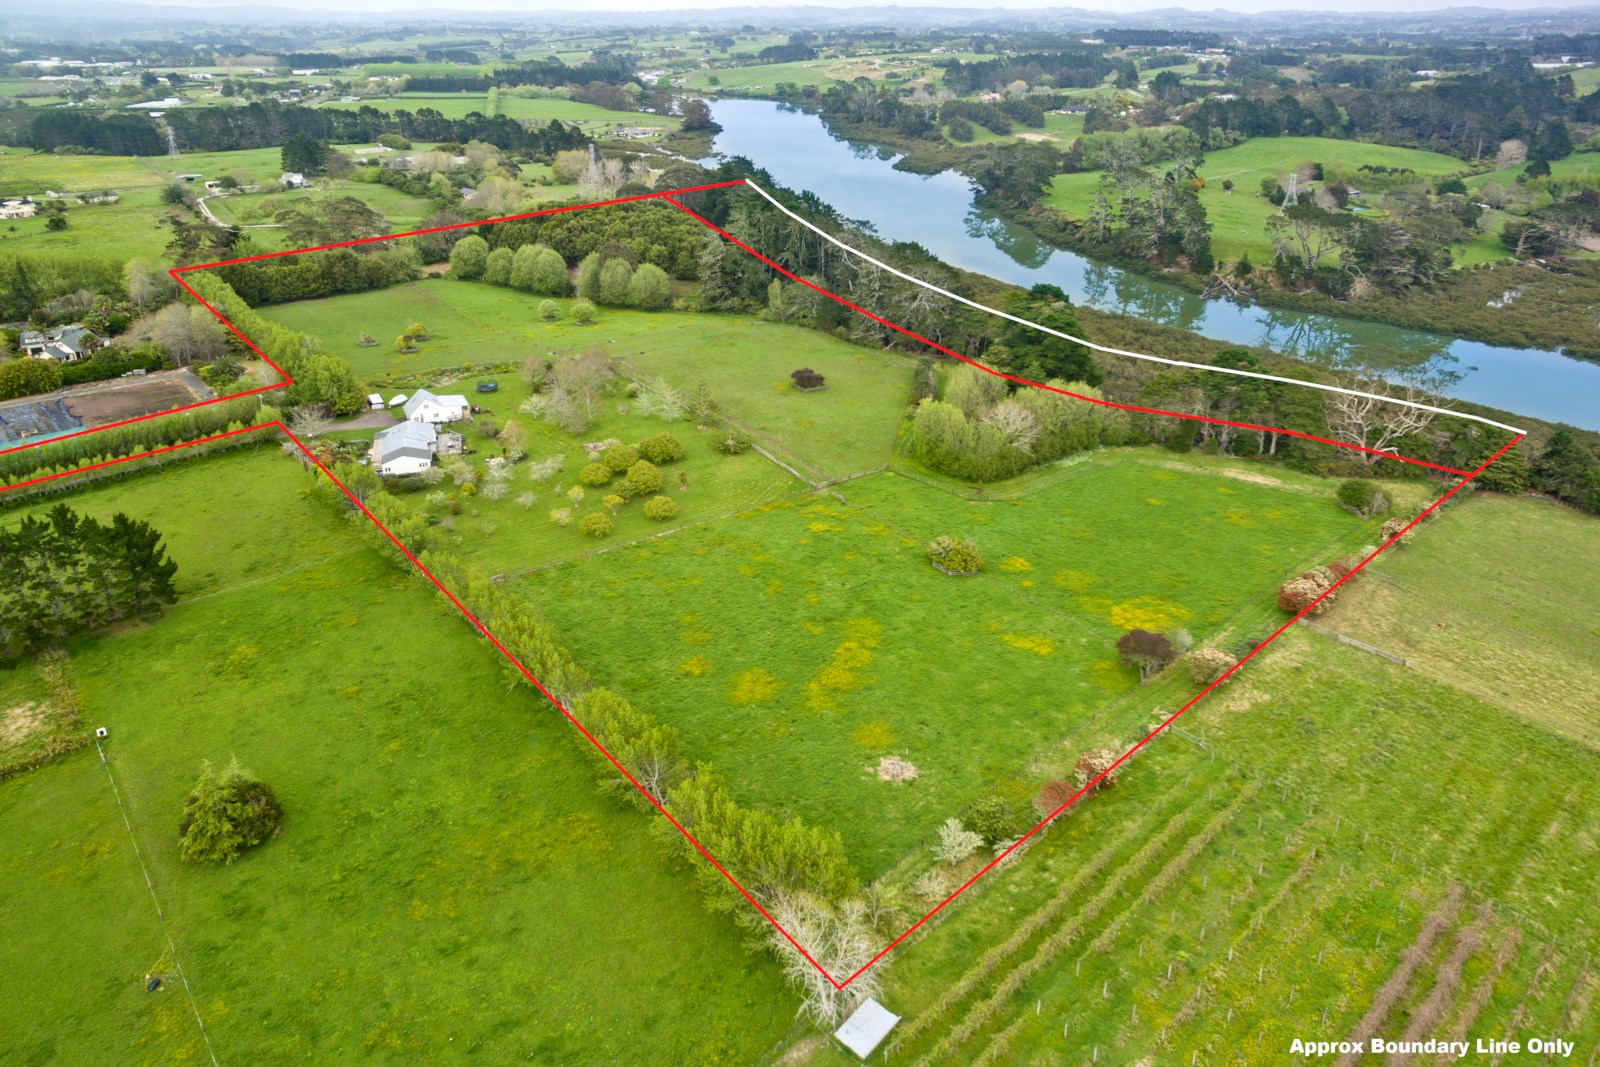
(404, 448)
(428, 407)
(24, 208)
(293, 179)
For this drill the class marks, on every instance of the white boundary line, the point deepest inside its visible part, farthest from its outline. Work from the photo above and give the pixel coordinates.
(155, 899)
(1116, 351)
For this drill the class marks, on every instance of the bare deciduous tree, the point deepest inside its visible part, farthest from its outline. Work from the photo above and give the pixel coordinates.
(1016, 422)
(310, 420)
(836, 936)
(1375, 421)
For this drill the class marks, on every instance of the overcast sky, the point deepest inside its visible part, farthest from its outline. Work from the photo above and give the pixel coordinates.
(442, 8)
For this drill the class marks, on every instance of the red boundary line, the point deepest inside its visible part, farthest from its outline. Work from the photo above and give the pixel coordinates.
(523, 670)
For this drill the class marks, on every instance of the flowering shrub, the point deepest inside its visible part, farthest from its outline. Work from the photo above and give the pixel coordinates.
(955, 555)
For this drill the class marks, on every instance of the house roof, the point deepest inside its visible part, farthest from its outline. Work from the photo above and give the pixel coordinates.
(423, 396)
(415, 439)
(866, 1028)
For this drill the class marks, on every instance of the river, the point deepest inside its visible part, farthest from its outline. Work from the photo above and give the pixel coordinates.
(937, 212)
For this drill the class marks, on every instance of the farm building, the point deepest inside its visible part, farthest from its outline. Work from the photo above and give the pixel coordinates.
(429, 407)
(409, 447)
(404, 448)
(18, 209)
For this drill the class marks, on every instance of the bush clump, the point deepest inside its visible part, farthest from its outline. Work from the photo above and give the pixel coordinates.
(644, 477)
(955, 555)
(806, 379)
(226, 814)
(734, 443)
(1362, 496)
(994, 819)
(595, 474)
(597, 524)
(1206, 665)
(661, 448)
(1396, 527)
(620, 457)
(660, 508)
(1297, 594)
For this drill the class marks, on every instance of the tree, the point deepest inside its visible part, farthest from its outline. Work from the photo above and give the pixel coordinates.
(994, 819)
(1206, 665)
(549, 310)
(1300, 593)
(304, 155)
(807, 380)
(497, 268)
(594, 474)
(589, 276)
(144, 282)
(227, 814)
(1150, 652)
(615, 277)
(660, 508)
(956, 843)
(174, 193)
(469, 258)
(596, 524)
(619, 458)
(650, 288)
(1565, 469)
(28, 377)
(661, 448)
(644, 477)
(840, 939)
(548, 273)
(1031, 353)
(696, 115)
(1052, 795)
(1098, 765)
(582, 312)
(1374, 421)
(208, 832)
(1362, 496)
(55, 222)
(310, 420)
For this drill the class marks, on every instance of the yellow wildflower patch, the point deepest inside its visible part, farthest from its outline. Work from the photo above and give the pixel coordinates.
(1015, 564)
(754, 686)
(1076, 581)
(823, 527)
(1154, 501)
(1038, 644)
(695, 666)
(872, 735)
(1147, 613)
(1110, 676)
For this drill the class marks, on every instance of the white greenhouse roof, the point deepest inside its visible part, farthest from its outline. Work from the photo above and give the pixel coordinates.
(866, 1028)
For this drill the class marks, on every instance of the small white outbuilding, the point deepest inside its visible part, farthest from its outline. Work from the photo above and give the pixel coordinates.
(866, 1028)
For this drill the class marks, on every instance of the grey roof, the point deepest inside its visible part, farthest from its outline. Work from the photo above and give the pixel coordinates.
(866, 1028)
(422, 396)
(415, 439)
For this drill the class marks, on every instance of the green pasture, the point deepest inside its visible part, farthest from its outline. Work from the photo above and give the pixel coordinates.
(134, 226)
(23, 170)
(459, 105)
(257, 210)
(1579, 165)
(1239, 218)
(1486, 600)
(449, 885)
(515, 534)
(1259, 876)
(797, 644)
(845, 429)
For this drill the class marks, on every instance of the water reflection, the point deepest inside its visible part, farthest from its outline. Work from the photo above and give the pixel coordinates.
(937, 212)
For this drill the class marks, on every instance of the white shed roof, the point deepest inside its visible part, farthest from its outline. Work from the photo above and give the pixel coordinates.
(866, 1028)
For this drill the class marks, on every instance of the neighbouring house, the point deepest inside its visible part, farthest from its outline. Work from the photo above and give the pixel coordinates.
(404, 448)
(64, 344)
(24, 208)
(294, 180)
(430, 407)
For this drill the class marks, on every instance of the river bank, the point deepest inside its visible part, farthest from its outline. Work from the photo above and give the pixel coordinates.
(938, 212)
